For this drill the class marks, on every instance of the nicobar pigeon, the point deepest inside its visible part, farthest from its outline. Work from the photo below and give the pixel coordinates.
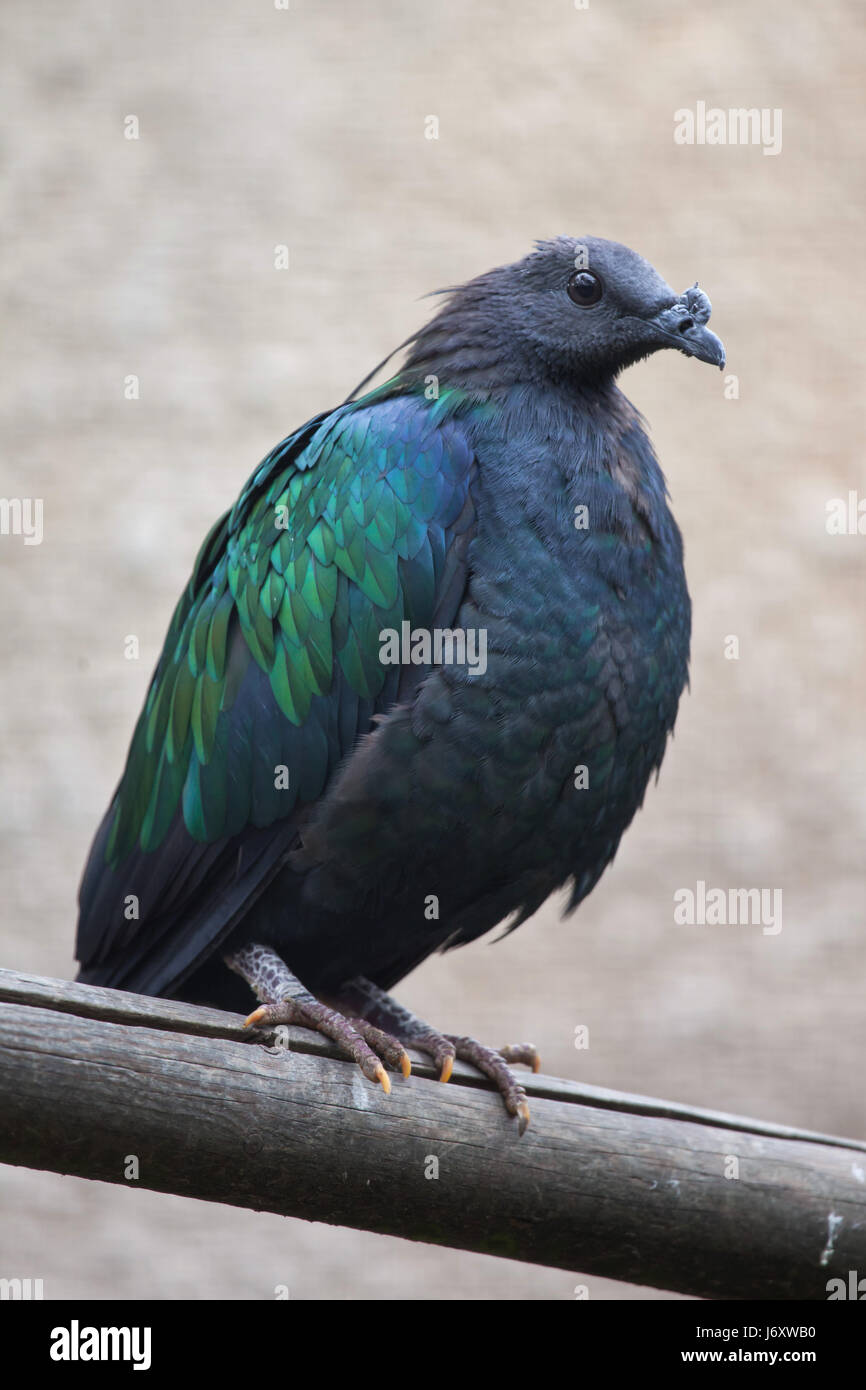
(311, 806)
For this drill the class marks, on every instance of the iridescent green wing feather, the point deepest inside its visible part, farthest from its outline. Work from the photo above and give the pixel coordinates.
(342, 531)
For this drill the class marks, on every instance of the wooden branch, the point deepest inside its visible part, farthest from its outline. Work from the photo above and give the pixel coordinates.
(615, 1185)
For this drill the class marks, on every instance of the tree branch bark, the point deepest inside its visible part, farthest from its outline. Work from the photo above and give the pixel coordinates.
(621, 1186)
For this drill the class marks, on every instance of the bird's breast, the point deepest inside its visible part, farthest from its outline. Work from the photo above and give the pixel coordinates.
(506, 775)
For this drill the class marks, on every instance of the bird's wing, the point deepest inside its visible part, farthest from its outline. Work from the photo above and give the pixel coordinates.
(271, 673)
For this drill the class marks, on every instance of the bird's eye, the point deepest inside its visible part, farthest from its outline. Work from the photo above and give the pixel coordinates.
(585, 289)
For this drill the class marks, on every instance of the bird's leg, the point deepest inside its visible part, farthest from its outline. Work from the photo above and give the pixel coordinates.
(285, 1000)
(366, 999)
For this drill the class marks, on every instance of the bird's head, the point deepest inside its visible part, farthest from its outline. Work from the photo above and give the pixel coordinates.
(577, 309)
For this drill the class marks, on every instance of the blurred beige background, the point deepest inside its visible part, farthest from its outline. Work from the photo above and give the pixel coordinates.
(155, 257)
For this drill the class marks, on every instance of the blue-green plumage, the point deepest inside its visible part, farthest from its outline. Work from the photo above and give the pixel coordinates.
(284, 785)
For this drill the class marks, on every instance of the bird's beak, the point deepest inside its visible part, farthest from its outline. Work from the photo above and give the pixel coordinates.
(683, 325)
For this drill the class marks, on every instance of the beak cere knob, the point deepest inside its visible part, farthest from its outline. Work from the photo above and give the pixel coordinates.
(697, 304)
(683, 325)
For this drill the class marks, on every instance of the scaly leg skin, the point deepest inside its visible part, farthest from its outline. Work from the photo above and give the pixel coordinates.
(285, 1000)
(368, 1000)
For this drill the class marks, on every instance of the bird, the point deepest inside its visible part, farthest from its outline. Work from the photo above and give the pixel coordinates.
(420, 676)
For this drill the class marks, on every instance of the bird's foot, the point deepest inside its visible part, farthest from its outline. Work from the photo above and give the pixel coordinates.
(287, 1001)
(373, 1029)
(365, 997)
(495, 1065)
